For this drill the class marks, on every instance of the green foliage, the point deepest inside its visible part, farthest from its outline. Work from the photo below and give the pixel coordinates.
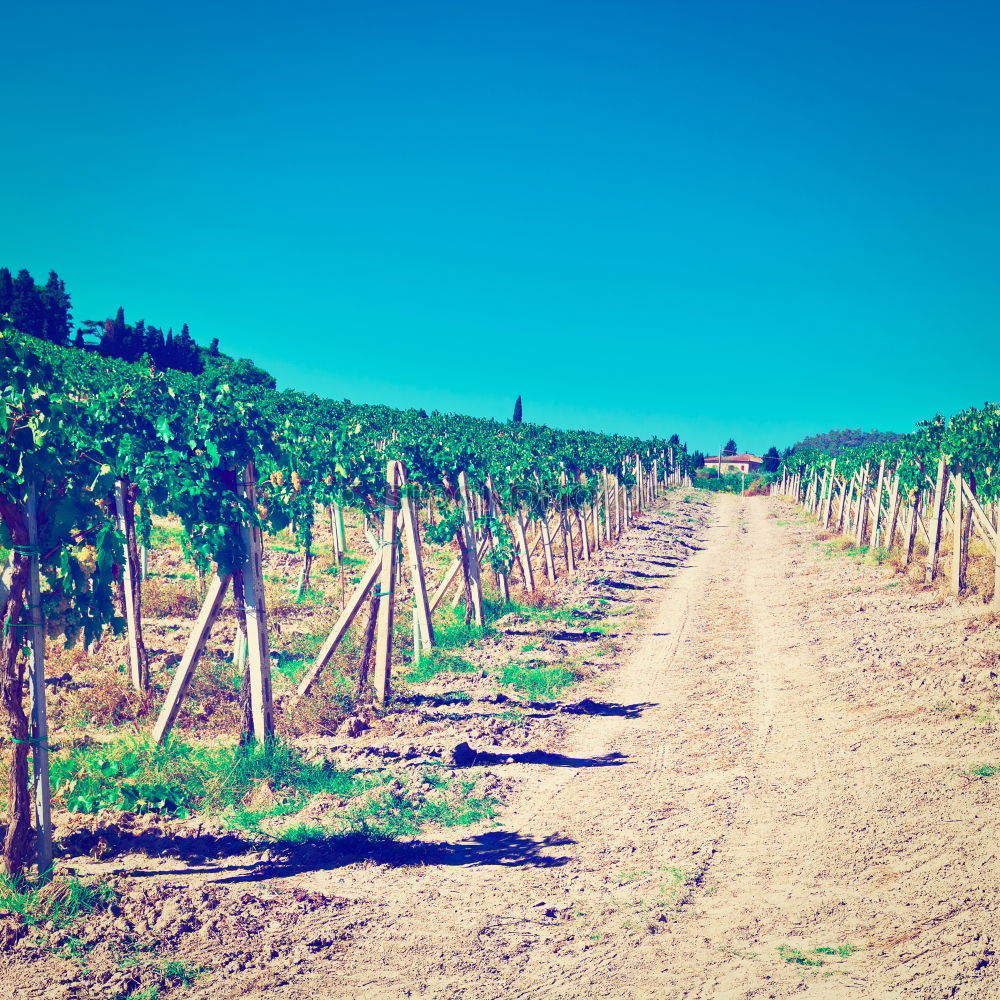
(60, 901)
(135, 775)
(538, 682)
(439, 661)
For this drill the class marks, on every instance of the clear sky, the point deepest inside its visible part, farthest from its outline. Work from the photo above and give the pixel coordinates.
(754, 218)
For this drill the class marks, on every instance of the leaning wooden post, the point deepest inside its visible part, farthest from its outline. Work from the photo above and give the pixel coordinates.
(196, 643)
(910, 536)
(522, 550)
(386, 588)
(475, 586)
(36, 688)
(347, 616)
(550, 565)
(937, 516)
(258, 644)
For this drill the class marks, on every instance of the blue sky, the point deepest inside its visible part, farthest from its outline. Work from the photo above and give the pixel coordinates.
(749, 219)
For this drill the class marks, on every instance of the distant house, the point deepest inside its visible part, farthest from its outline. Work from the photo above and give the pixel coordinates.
(734, 463)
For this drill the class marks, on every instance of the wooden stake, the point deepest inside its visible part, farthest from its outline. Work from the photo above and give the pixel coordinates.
(491, 510)
(958, 534)
(387, 587)
(910, 538)
(449, 579)
(258, 645)
(411, 531)
(139, 670)
(550, 566)
(934, 532)
(877, 508)
(36, 690)
(347, 616)
(522, 550)
(472, 552)
(195, 644)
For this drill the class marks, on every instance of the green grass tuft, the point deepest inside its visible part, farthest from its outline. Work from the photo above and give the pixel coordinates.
(538, 683)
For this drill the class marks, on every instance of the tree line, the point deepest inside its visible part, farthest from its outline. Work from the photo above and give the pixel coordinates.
(44, 311)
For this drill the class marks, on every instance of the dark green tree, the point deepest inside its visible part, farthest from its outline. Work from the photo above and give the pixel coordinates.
(517, 411)
(729, 448)
(27, 312)
(114, 343)
(55, 306)
(772, 459)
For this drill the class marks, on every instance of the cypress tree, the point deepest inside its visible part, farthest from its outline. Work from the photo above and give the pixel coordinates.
(154, 345)
(114, 343)
(27, 312)
(56, 305)
(78, 339)
(729, 448)
(517, 411)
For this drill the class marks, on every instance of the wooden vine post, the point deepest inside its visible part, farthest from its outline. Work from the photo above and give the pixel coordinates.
(424, 628)
(387, 586)
(132, 575)
(522, 549)
(491, 509)
(472, 551)
(258, 645)
(937, 516)
(828, 509)
(39, 738)
(607, 507)
(958, 535)
(877, 507)
(255, 609)
(217, 588)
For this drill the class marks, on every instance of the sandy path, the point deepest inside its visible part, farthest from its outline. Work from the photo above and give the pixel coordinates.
(741, 805)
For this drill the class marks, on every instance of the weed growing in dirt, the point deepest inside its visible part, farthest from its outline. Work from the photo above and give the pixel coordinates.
(986, 770)
(135, 775)
(538, 683)
(987, 719)
(795, 956)
(400, 809)
(183, 973)
(60, 901)
(438, 661)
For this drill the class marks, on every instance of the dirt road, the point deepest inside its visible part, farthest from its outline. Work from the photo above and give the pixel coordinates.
(775, 785)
